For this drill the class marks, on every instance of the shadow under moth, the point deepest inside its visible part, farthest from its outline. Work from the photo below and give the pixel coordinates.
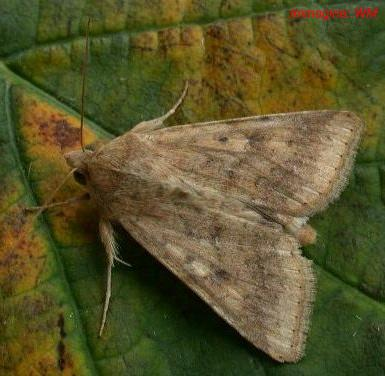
(224, 206)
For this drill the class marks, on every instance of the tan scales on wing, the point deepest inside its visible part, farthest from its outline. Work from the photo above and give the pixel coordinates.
(220, 204)
(224, 206)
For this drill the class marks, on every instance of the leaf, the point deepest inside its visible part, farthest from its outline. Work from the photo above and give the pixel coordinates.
(243, 57)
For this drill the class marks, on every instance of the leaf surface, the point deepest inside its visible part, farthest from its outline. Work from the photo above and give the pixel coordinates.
(242, 58)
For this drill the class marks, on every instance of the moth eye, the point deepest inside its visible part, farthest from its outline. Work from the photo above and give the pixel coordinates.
(80, 177)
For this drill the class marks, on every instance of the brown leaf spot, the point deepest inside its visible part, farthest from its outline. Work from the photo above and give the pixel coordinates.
(60, 324)
(60, 130)
(23, 255)
(63, 357)
(61, 351)
(65, 134)
(216, 32)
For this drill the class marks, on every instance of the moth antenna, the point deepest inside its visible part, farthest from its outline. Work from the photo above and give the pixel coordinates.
(84, 196)
(151, 125)
(84, 69)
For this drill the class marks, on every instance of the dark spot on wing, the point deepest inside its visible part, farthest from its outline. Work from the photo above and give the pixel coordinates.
(257, 138)
(189, 259)
(209, 160)
(221, 275)
(215, 232)
(188, 231)
(223, 139)
(179, 194)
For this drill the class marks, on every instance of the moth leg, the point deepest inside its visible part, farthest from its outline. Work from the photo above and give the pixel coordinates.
(71, 200)
(53, 194)
(297, 227)
(107, 237)
(151, 125)
(306, 235)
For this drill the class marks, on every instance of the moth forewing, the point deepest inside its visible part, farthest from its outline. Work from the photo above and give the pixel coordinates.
(224, 206)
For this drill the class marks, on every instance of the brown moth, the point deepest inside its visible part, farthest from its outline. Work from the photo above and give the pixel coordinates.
(224, 206)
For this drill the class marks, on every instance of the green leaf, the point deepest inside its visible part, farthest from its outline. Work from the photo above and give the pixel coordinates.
(242, 57)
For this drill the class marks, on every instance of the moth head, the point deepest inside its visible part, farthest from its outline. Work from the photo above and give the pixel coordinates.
(78, 159)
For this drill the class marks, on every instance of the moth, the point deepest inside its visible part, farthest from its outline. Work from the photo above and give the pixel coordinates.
(224, 205)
